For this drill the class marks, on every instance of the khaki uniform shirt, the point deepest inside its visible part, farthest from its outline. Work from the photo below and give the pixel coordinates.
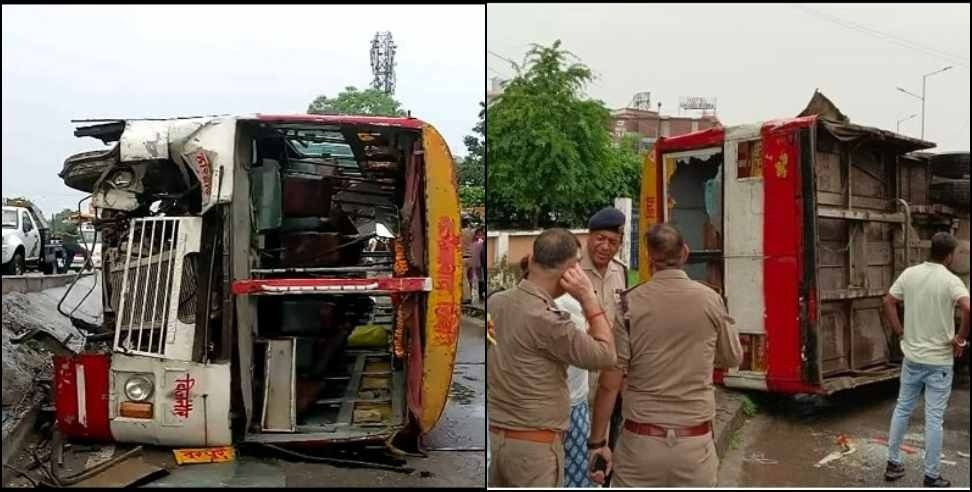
(609, 286)
(527, 368)
(679, 332)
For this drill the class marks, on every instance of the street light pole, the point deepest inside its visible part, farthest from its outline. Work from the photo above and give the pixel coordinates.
(898, 128)
(924, 80)
(659, 121)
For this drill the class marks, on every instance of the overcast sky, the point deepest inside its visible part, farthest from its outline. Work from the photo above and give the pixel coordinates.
(761, 61)
(64, 62)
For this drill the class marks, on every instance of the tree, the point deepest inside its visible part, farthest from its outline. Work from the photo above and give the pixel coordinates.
(472, 196)
(60, 224)
(471, 170)
(551, 160)
(629, 165)
(371, 102)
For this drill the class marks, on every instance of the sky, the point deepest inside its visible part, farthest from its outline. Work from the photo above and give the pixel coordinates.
(74, 62)
(761, 61)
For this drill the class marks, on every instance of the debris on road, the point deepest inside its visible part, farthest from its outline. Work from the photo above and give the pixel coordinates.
(836, 455)
(846, 449)
(221, 454)
(844, 443)
(130, 472)
(964, 455)
(100, 456)
(949, 463)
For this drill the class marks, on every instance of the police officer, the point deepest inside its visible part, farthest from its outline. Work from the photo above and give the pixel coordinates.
(608, 275)
(528, 401)
(671, 334)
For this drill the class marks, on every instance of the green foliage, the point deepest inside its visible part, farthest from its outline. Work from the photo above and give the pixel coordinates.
(749, 407)
(371, 102)
(629, 164)
(472, 169)
(472, 196)
(735, 440)
(551, 159)
(61, 226)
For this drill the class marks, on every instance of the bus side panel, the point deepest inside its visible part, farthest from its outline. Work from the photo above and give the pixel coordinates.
(743, 209)
(782, 270)
(190, 402)
(809, 310)
(443, 311)
(81, 396)
(648, 214)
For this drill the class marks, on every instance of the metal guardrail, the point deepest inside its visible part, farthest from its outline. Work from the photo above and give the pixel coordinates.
(35, 283)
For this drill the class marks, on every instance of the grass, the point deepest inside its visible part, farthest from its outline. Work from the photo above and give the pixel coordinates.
(735, 440)
(749, 407)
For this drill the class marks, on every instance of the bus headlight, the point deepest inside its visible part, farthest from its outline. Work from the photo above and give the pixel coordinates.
(138, 388)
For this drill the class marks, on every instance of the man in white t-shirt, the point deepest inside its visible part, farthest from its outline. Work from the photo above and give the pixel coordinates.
(930, 345)
(575, 440)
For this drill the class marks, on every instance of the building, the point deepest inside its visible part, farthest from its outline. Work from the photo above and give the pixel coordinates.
(639, 119)
(649, 124)
(495, 90)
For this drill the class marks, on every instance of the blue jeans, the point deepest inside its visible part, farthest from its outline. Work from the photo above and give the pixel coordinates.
(937, 383)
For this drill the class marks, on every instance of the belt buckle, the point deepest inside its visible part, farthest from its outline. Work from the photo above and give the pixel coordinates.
(671, 437)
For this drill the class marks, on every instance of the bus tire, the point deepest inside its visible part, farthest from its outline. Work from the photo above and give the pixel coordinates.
(954, 165)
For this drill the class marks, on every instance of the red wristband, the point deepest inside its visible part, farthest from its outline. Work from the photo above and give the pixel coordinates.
(592, 318)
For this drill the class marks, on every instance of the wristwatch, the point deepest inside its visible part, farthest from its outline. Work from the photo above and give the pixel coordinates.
(964, 343)
(591, 446)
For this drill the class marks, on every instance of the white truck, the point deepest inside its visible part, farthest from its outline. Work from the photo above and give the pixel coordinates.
(91, 242)
(27, 241)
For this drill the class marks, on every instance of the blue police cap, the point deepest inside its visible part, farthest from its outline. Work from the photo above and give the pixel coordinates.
(608, 218)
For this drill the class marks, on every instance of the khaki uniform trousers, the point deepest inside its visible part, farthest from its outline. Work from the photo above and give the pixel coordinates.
(519, 463)
(648, 461)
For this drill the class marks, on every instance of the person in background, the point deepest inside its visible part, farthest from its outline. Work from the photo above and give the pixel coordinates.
(610, 279)
(575, 440)
(930, 346)
(474, 273)
(466, 241)
(483, 274)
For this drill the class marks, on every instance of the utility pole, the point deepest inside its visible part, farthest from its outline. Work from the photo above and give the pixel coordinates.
(924, 80)
(898, 127)
(659, 121)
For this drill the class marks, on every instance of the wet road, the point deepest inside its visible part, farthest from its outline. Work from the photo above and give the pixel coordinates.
(456, 447)
(780, 446)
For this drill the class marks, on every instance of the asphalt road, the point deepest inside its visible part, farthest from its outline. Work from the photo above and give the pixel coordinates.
(780, 446)
(456, 446)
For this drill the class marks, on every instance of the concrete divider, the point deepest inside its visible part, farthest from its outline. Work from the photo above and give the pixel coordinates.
(35, 283)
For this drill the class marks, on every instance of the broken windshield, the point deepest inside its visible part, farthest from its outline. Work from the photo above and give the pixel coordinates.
(10, 218)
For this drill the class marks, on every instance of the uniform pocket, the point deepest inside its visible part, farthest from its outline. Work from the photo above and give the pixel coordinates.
(709, 453)
(533, 464)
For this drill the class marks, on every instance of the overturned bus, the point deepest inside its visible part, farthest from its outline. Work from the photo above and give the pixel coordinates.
(803, 224)
(266, 278)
